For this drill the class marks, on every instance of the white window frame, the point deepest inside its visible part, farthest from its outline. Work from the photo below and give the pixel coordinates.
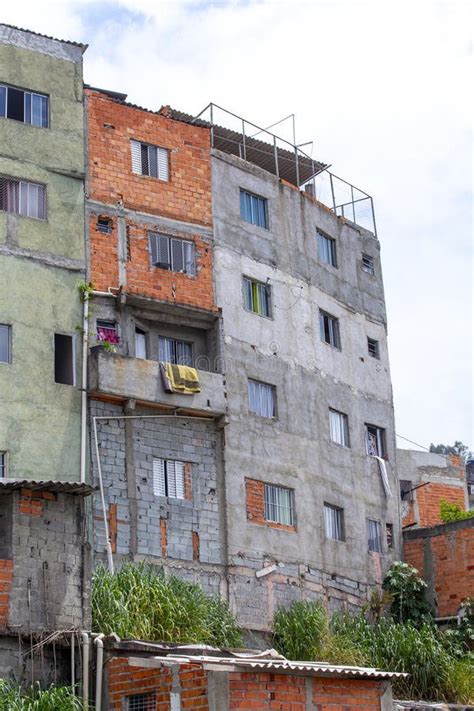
(333, 329)
(339, 427)
(327, 250)
(158, 160)
(334, 522)
(262, 399)
(374, 536)
(168, 478)
(33, 95)
(376, 441)
(279, 505)
(20, 201)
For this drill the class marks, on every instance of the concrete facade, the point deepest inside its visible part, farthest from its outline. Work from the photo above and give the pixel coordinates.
(41, 260)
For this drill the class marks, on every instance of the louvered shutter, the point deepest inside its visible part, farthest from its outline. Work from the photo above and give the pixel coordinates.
(159, 250)
(179, 479)
(177, 259)
(152, 161)
(136, 156)
(162, 156)
(159, 483)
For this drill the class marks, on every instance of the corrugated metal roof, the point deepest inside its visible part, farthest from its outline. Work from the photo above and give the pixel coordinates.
(63, 487)
(39, 34)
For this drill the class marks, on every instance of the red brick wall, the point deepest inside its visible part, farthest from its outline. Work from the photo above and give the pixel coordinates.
(451, 575)
(255, 505)
(265, 692)
(32, 502)
(6, 577)
(429, 497)
(187, 195)
(347, 694)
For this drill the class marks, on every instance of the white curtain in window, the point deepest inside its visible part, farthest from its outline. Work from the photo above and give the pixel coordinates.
(338, 427)
(333, 522)
(278, 504)
(374, 536)
(261, 399)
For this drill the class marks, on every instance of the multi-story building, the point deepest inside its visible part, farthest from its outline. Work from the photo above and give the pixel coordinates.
(277, 480)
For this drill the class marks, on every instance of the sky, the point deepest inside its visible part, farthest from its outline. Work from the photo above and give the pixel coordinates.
(383, 89)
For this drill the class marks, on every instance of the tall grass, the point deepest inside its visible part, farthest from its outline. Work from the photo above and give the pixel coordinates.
(139, 602)
(56, 698)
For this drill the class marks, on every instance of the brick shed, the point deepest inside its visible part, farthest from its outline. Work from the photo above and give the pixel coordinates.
(144, 677)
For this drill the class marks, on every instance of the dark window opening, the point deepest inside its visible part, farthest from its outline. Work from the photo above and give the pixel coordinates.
(64, 359)
(104, 224)
(373, 348)
(368, 264)
(329, 326)
(376, 445)
(389, 534)
(3, 464)
(24, 106)
(406, 490)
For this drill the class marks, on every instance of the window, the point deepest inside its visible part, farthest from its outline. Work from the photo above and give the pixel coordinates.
(373, 348)
(173, 351)
(368, 264)
(5, 343)
(107, 331)
(374, 536)
(339, 427)
(406, 490)
(150, 160)
(177, 255)
(389, 534)
(254, 209)
(141, 702)
(22, 197)
(24, 106)
(168, 478)
(262, 400)
(279, 505)
(257, 297)
(140, 343)
(104, 224)
(329, 326)
(327, 249)
(3, 464)
(375, 441)
(64, 359)
(334, 522)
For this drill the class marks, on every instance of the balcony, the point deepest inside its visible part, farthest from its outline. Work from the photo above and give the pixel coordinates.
(126, 378)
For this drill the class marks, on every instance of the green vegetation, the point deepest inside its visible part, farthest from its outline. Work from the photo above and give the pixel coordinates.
(56, 698)
(453, 512)
(406, 590)
(139, 602)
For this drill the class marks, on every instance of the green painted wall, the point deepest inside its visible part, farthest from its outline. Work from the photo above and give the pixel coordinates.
(41, 263)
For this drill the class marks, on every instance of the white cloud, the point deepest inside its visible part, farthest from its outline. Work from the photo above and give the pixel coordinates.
(383, 88)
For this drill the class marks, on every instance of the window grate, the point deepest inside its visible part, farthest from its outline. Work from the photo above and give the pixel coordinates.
(327, 249)
(279, 505)
(329, 327)
(373, 348)
(24, 106)
(22, 197)
(375, 441)
(104, 225)
(257, 297)
(368, 264)
(254, 209)
(262, 400)
(177, 255)
(141, 702)
(334, 522)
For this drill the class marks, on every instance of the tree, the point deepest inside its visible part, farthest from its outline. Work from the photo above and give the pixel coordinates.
(462, 450)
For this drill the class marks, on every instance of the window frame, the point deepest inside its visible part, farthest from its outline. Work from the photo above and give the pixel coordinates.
(19, 197)
(389, 536)
(106, 228)
(142, 332)
(108, 325)
(137, 157)
(339, 522)
(258, 284)
(165, 462)
(4, 464)
(278, 505)
(368, 263)
(9, 339)
(149, 697)
(378, 548)
(334, 330)
(155, 245)
(31, 94)
(272, 389)
(251, 221)
(332, 249)
(73, 363)
(175, 342)
(381, 440)
(372, 342)
(345, 428)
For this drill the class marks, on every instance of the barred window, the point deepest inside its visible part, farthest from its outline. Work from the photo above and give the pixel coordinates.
(257, 297)
(329, 327)
(374, 535)
(254, 209)
(150, 160)
(279, 507)
(22, 197)
(327, 249)
(262, 399)
(141, 702)
(168, 478)
(339, 427)
(376, 446)
(25, 106)
(177, 255)
(334, 522)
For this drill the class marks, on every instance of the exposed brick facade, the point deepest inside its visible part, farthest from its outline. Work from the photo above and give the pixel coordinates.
(6, 577)
(255, 505)
(425, 508)
(444, 556)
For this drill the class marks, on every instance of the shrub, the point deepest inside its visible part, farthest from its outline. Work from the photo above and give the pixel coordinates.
(407, 591)
(56, 698)
(453, 512)
(139, 602)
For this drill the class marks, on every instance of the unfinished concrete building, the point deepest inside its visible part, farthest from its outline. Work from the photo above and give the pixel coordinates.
(277, 480)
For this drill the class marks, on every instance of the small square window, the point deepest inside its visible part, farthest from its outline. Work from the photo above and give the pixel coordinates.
(141, 702)
(327, 249)
(5, 343)
(329, 326)
(3, 465)
(150, 160)
(376, 445)
(368, 264)
(389, 535)
(254, 209)
(168, 478)
(406, 490)
(64, 370)
(257, 297)
(373, 348)
(374, 536)
(339, 427)
(104, 224)
(279, 507)
(262, 399)
(334, 522)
